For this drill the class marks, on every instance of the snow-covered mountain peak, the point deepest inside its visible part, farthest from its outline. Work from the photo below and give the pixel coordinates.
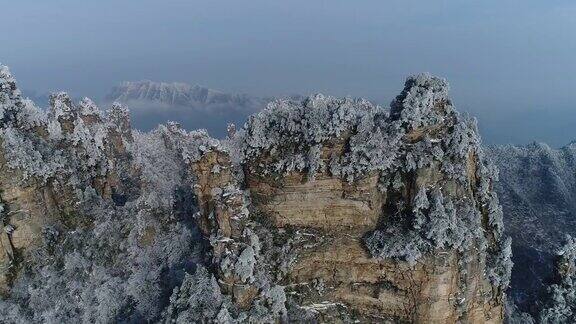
(180, 94)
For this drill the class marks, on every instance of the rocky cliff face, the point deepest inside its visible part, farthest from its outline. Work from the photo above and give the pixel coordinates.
(325, 210)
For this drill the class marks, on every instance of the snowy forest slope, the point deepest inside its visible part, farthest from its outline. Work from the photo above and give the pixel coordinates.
(537, 190)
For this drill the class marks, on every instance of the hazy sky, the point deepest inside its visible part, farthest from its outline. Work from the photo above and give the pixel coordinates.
(511, 63)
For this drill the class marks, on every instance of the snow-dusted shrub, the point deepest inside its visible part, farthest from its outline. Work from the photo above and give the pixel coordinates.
(420, 102)
(561, 307)
(197, 300)
(394, 242)
(89, 108)
(512, 315)
(16, 111)
(30, 155)
(292, 133)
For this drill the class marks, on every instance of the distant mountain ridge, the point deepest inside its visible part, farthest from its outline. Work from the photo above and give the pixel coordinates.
(193, 106)
(183, 94)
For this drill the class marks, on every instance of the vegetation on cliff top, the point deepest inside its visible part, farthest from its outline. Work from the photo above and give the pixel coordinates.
(143, 246)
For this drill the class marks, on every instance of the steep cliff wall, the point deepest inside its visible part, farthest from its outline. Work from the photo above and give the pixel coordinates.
(325, 210)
